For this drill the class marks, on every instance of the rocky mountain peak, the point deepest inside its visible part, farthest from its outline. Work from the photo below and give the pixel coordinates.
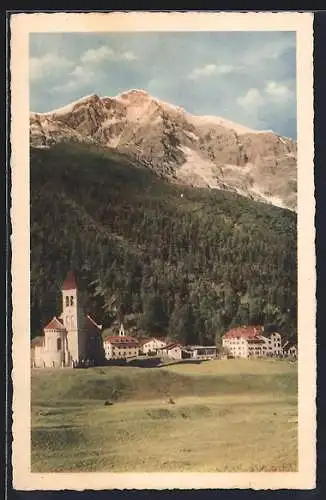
(201, 151)
(134, 94)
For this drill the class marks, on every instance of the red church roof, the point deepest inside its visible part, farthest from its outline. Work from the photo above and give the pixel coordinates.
(54, 324)
(70, 282)
(245, 332)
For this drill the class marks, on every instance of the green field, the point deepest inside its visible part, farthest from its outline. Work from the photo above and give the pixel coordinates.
(228, 415)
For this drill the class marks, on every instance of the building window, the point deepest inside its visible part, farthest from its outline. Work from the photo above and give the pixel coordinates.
(71, 300)
(59, 344)
(67, 301)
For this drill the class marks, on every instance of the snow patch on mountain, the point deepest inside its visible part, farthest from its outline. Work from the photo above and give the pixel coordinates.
(69, 107)
(274, 200)
(222, 122)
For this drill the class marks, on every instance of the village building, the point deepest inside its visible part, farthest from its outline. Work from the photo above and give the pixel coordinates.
(290, 350)
(201, 352)
(152, 345)
(70, 339)
(172, 351)
(293, 351)
(252, 341)
(120, 346)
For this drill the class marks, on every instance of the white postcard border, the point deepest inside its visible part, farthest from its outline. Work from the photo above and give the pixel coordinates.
(21, 26)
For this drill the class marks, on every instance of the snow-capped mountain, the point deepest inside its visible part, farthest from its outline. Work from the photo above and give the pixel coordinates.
(202, 151)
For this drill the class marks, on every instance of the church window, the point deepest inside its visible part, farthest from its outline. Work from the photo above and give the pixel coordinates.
(67, 301)
(71, 300)
(59, 344)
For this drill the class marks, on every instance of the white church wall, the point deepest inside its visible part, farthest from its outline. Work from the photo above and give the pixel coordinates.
(53, 352)
(37, 356)
(53, 359)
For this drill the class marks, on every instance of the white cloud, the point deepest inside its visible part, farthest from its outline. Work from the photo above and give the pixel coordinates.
(96, 56)
(209, 69)
(79, 72)
(278, 91)
(252, 99)
(272, 97)
(41, 66)
(225, 68)
(83, 73)
(129, 56)
(80, 76)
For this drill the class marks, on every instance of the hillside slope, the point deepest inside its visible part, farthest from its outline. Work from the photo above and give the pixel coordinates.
(121, 384)
(183, 260)
(200, 151)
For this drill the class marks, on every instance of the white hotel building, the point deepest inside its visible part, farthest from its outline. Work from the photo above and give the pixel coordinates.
(250, 341)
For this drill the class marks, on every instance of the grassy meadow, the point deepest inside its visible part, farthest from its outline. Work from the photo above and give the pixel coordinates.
(215, 416)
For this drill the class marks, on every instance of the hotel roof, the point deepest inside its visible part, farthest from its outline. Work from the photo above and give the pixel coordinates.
(245, 332)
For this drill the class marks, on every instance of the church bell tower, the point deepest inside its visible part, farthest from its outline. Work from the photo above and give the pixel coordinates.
(73, 318)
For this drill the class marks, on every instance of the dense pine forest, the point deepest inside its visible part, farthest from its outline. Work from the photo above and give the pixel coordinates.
(177, 260)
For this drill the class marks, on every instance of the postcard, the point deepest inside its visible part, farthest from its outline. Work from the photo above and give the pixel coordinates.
(163, 261)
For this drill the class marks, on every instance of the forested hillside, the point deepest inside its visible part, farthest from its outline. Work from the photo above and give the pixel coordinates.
(185, 261)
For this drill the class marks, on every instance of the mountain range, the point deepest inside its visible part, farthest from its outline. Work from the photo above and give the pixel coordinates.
(198, 151)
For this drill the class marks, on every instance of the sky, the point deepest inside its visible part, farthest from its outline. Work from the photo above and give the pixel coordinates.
(246, 77)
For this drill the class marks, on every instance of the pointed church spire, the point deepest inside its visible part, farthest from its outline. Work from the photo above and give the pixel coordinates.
(70, 282)
(121, 331)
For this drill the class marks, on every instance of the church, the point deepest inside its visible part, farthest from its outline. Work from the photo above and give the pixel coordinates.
(71, 339)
